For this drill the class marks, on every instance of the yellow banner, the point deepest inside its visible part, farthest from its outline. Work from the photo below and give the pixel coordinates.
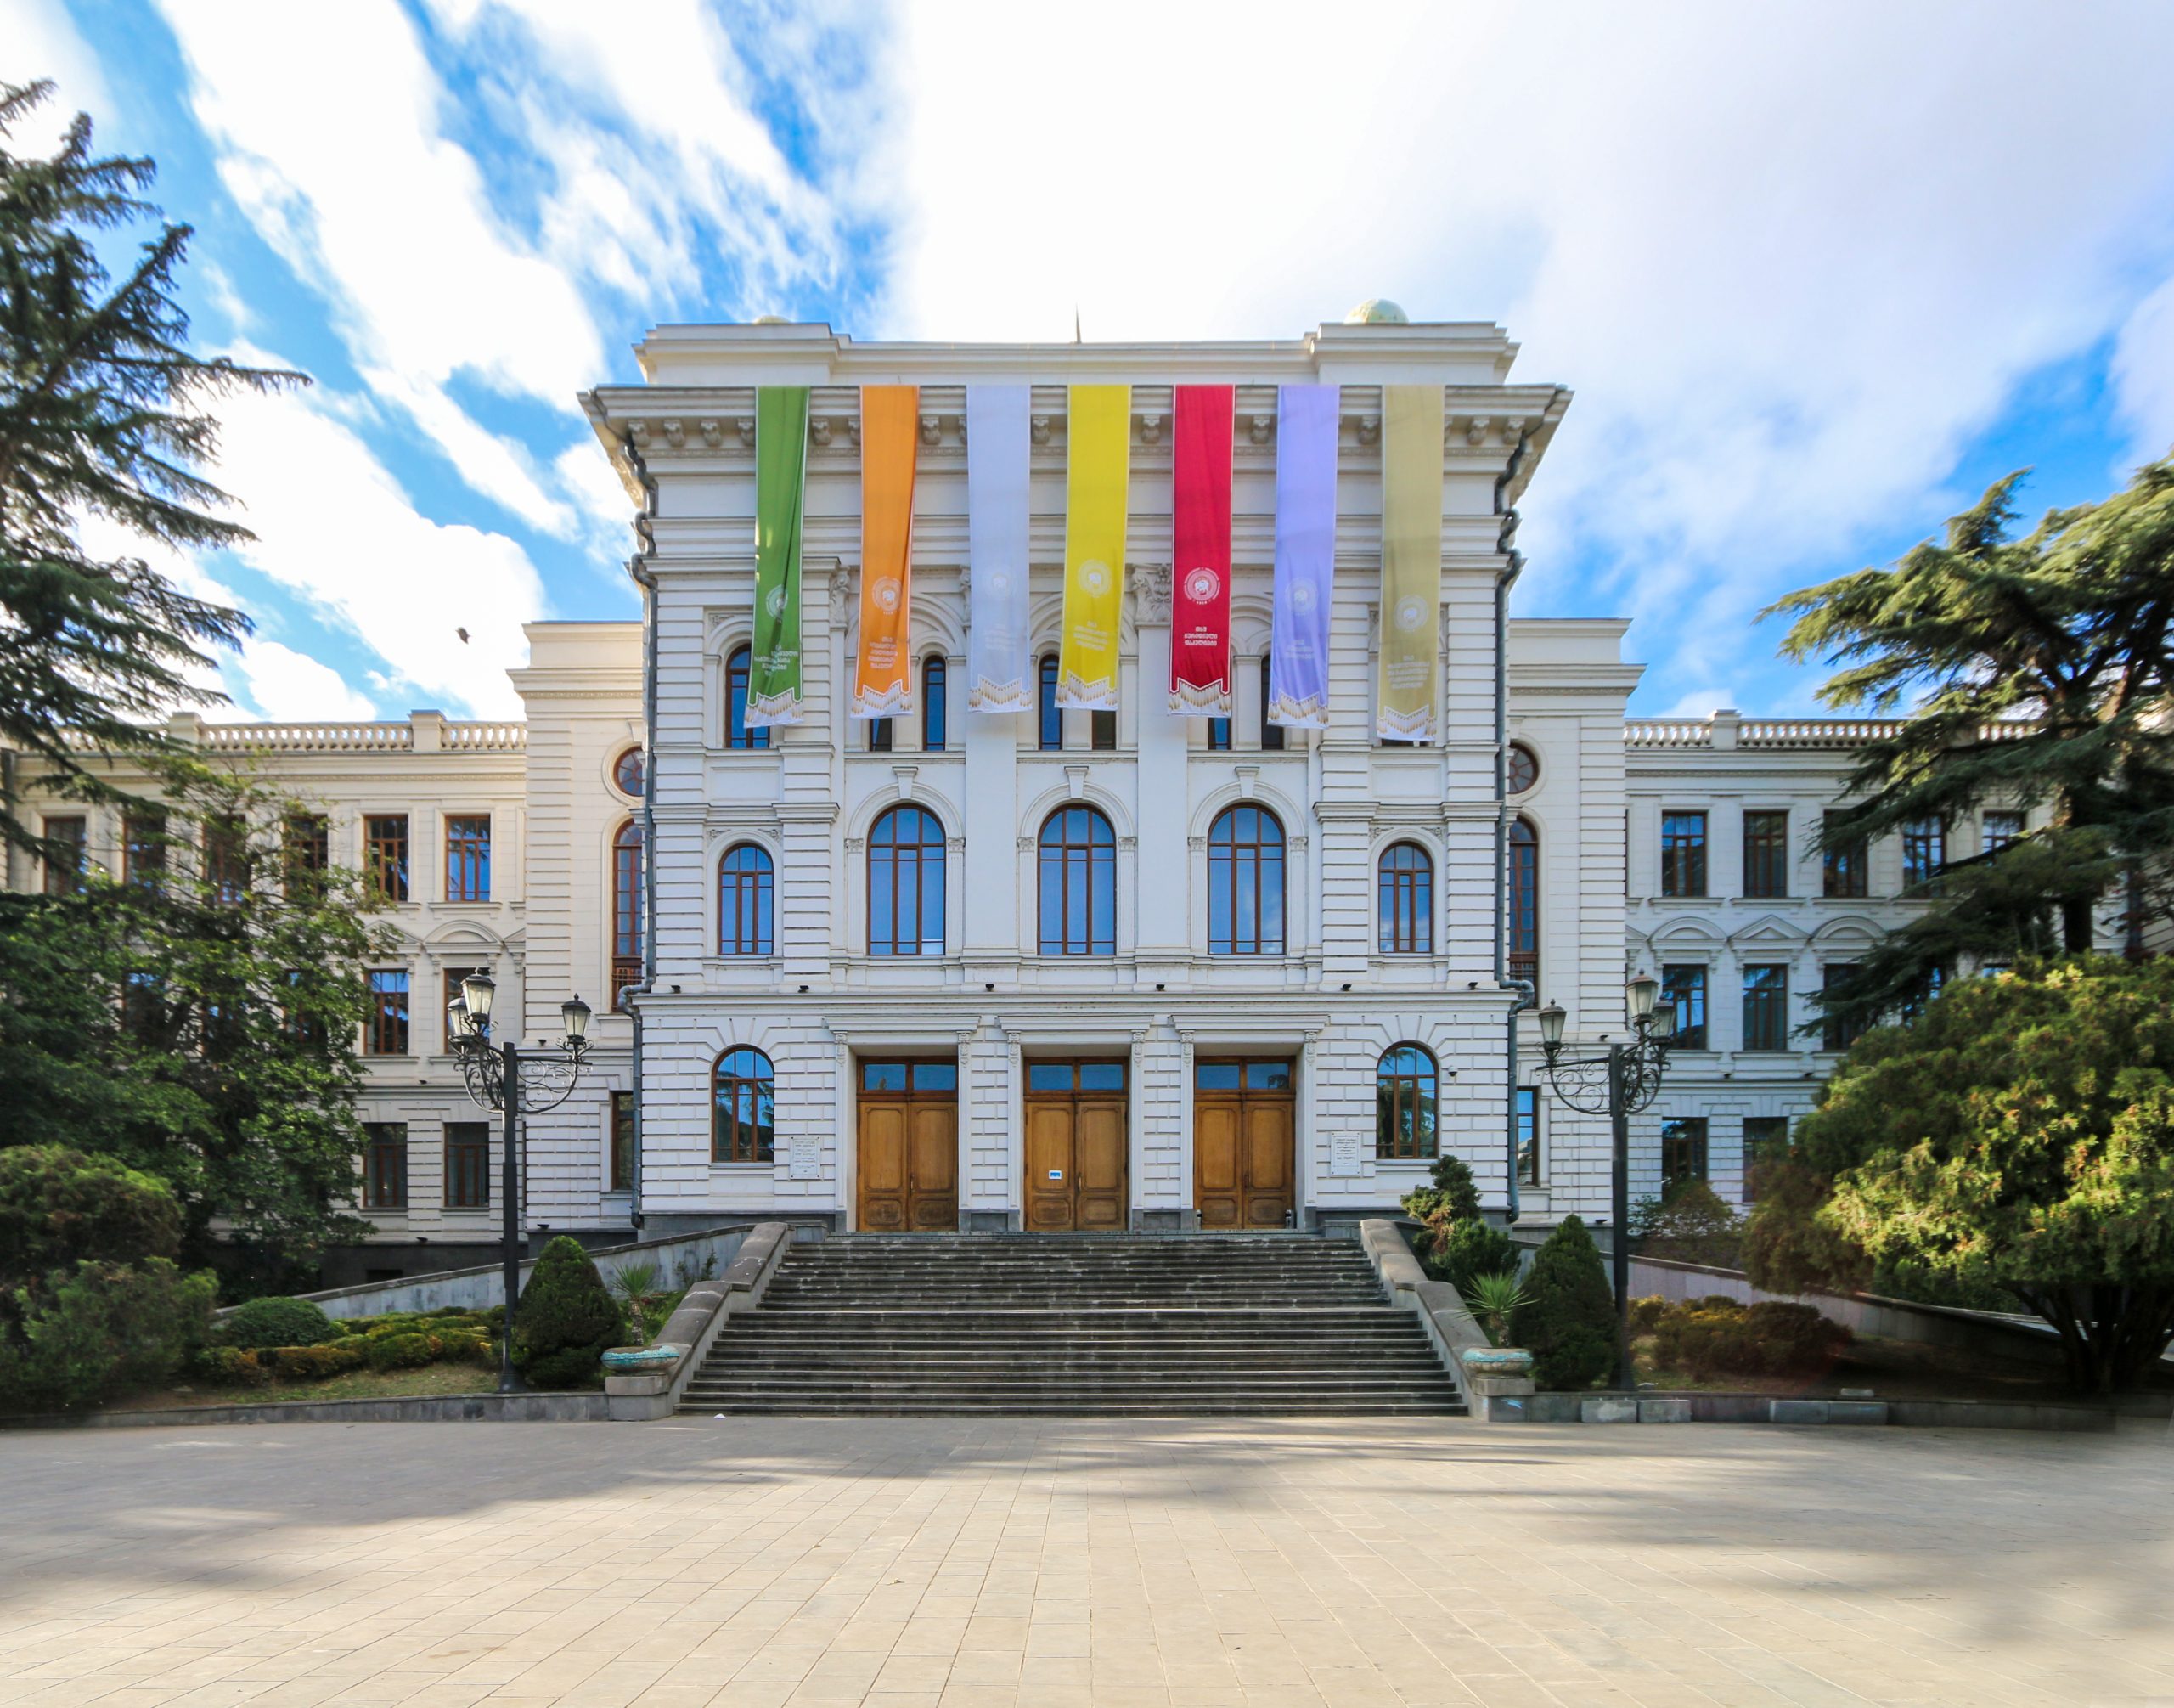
(1098, 469)
(883, 677)
(1411, 564)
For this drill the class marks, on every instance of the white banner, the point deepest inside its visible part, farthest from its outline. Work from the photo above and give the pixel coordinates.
(999, 675)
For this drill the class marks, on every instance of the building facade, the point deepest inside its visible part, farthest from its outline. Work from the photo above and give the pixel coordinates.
(1062, 969)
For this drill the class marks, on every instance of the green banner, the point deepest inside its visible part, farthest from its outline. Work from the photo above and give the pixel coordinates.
(1411, 564)
(774, 683)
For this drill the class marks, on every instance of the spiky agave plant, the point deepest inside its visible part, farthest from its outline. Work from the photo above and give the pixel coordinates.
(1492, 1298)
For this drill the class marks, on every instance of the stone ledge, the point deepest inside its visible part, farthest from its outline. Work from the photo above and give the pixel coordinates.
(1797, 1411)
(433, 1408)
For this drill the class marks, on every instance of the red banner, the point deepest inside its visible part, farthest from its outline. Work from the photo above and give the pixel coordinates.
(1199, 564)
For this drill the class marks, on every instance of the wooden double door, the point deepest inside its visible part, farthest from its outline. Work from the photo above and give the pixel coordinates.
(1076, 1146)
(1244, 1157)
(908, 1148)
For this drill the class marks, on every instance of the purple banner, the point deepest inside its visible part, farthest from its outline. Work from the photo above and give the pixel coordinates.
(1306, 555)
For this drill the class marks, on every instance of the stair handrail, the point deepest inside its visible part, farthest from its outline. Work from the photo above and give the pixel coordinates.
(693, 1328)
(1451, 1328)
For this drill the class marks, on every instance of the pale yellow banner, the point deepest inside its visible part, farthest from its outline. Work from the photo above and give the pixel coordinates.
(1098, 469)
(1411, 564)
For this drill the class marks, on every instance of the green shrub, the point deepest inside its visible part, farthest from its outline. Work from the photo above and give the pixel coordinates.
(566, 1319)
(1646, 1313)
(76, 1338)
(1453, 1190)
(228, 1366)
(1718, 1337)
(275, 1322)
(1463, 1251)
(459, 1347)
(400, 1351)
(1568, 1322)
(311, 1363)
(1688, 1223)
(60, 1207)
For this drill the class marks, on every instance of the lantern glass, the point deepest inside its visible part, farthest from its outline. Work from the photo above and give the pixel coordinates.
(1551, 1024)
(575, 1012)
(1643, 990)
(1665, 1021)
(458, 1026)
(476, 990)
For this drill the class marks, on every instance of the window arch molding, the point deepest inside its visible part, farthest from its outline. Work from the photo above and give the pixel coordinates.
(1407, 1103)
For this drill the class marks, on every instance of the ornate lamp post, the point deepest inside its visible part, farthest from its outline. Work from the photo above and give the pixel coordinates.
(500, 1077)
(1618, 1084)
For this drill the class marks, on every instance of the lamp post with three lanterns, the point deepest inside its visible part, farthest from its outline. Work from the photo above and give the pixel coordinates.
(499, 1076)
(1617, 1084)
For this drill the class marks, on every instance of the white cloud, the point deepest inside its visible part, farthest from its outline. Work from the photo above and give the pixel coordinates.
(42, 42)
(1792, 258)
(291, 687)
(351, 178)
(2143, 374)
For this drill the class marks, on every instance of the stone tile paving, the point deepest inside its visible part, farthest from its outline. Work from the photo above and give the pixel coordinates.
(965, 1563)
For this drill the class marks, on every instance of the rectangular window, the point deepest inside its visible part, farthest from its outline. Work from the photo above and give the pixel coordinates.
(935, 711)
(1683, 853)
(468, 859)
(620, 1175)
(453, 976)
(1686, 987)
(1271, 735)
(1844, 867)
(226, 860)
(1683, 1149)
(1102, 731)
(306, 847)
(1766, 1007)
(1765, 1142)
(1218, 734)
(385, 1165)
(64, 865)
(384, 1030)
(1836, 1033)
(467, 1164)
(1924, 852)
(385, 854)
(879, 734)
(1048, 720)
(143, 847)
(1527, 1136)
(1766, 854)
(1998, 830)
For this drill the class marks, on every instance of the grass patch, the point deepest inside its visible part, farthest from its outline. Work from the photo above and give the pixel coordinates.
(430, 1379)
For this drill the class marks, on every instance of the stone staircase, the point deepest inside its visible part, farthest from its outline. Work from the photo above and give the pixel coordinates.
(1074, 1325)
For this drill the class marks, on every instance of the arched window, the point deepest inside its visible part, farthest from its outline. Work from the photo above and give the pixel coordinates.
(1524, 881)
(1405, 1085)
(628, 909)
(905, 884)
(1048, 720)
(630, 773)
(1079, 883)
(935, 714)
(746, 890)
(1244, 883)
(1271, 735)
(743, 1107)
(1407, 900)
(736, 732)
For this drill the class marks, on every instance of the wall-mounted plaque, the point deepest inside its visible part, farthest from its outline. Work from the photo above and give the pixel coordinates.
(1343, 1156)
(804, 1160)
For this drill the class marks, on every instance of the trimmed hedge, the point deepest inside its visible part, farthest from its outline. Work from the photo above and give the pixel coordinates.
(1567, 1320)
(566, 1319)
(76, 1338)
(274, 1321)
(1717, 1336)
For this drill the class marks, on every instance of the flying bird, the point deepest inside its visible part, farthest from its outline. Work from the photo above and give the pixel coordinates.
(463, 634)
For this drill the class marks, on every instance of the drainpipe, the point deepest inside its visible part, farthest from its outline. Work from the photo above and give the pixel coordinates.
(1503, 581)
(638, 567)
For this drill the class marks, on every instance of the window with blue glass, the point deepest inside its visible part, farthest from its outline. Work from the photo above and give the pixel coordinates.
(934, 712)
(736, 732)
(905, 884)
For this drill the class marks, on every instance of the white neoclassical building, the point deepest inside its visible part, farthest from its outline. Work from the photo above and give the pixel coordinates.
(1068, 969)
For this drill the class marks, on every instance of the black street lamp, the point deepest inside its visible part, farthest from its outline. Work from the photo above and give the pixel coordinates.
(1618, 1084)
(497, 1081)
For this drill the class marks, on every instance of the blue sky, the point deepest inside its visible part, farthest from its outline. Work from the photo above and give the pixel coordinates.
(1817, 273)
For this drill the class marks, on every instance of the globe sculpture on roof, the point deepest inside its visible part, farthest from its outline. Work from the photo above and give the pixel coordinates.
(1377, 311)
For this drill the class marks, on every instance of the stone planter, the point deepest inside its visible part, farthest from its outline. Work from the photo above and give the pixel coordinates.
(1497, 1361)
(635, 1360)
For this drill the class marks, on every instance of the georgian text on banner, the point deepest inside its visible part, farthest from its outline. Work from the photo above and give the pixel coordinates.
(773, 677)
(1200, 544)
(890, 424)
(1099, 458)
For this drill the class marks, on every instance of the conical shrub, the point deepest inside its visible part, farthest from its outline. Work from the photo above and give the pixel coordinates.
(1567, 1320)
(566, 1319)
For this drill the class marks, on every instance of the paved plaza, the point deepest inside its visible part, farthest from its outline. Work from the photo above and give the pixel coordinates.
(964, 1562)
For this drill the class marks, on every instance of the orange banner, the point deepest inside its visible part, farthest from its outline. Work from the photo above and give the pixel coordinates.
(883, 677)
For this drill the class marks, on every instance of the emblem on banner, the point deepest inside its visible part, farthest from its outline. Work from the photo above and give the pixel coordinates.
(885, 593)
(1410, 614)
(775, 603)
(1095, 577)
(1201, 586)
